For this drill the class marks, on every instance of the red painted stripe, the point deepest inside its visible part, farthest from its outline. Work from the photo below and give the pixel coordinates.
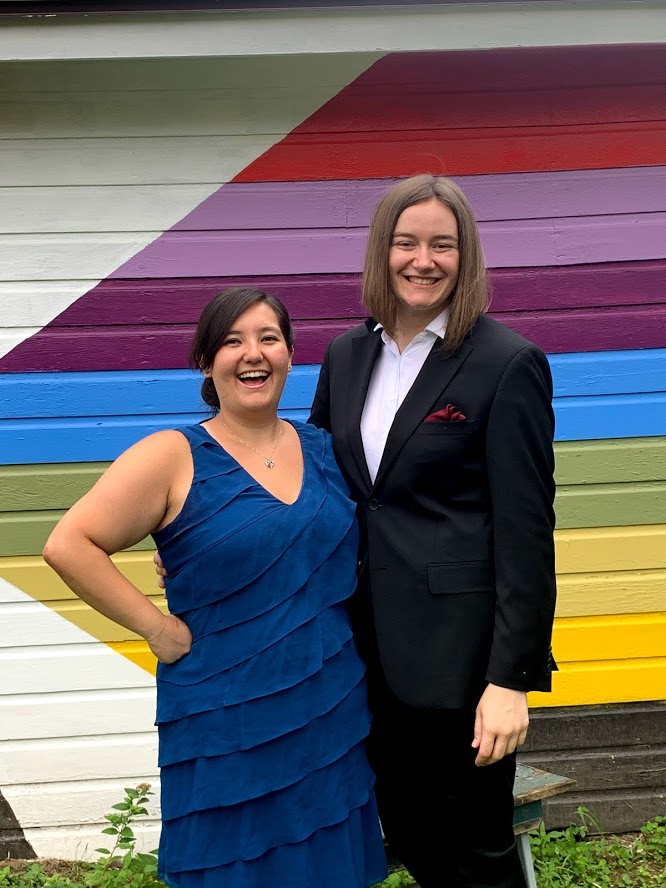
(524, 68)
(460, 152)
(435, 106)
(164, 347)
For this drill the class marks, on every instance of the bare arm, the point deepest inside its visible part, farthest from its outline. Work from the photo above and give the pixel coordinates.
(133, 498)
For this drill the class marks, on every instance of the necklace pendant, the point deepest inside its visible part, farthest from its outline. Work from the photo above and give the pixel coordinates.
(269, 463)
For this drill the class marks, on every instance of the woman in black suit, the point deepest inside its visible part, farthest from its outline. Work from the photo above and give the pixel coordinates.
(443, 427)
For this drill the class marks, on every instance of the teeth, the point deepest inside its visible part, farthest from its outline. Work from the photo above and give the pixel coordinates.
(419, 280)
(253, 374)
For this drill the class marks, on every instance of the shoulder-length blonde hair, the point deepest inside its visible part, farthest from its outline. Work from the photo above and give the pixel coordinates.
(471, 294)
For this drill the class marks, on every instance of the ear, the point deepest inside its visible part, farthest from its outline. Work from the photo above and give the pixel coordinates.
(291, 357)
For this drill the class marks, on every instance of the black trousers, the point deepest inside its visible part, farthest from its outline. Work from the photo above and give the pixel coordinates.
(447, 820)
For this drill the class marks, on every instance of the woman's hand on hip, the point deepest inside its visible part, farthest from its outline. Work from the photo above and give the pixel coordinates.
(172, 641)
(160, 570)
(501, 724)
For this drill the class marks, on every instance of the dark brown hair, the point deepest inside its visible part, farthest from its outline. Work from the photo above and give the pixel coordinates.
(470, 296)
(217, 319)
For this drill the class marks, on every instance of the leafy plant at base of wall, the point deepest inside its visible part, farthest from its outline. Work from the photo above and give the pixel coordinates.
(571, 858)
(131, 867)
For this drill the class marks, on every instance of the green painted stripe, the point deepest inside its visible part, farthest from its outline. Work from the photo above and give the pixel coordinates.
(25, 533)
(50, 486)
(611, 505)
(612, 461)
(600, 484)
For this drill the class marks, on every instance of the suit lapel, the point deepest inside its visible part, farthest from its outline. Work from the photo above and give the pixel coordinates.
(365, 350)
(436, 373)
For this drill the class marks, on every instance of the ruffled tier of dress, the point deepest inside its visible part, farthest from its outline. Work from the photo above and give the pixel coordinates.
(262, 725)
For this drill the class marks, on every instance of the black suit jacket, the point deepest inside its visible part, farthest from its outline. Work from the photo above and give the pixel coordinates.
(457, 530)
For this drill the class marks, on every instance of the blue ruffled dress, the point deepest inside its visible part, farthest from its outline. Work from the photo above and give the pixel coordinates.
(264, 778)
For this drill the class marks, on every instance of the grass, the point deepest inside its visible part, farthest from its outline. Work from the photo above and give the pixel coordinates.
(568, 858)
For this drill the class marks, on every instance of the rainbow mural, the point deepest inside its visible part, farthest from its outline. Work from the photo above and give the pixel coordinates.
(561, 152)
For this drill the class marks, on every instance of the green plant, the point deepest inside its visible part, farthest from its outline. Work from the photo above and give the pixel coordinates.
(397, 879)
(115, 869)
(572, 857)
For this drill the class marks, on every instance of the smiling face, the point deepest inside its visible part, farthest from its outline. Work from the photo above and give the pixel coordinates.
(250, 367)
(424, 261)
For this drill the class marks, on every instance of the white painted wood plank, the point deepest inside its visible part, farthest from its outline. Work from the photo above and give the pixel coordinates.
(53, 256)
(131, 757)
(32, 304)
(79, 843)
(73, 667)
(128, 76)
(10, 594)
(243, 110)
(25, 617)
(296, 31)
(125, 160)
(81, 803)
(61, 714)
(77, 208)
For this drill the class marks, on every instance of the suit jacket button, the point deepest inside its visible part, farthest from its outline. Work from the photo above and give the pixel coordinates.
(373, 505)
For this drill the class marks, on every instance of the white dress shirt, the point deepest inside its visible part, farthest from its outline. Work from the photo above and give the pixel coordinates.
(392, 377)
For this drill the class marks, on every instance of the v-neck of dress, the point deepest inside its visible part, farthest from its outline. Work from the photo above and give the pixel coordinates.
(250, 475)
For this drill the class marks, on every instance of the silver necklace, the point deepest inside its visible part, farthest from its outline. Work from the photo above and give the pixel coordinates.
(269, 462)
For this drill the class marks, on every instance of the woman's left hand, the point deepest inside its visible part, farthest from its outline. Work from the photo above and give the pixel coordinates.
(501, 723)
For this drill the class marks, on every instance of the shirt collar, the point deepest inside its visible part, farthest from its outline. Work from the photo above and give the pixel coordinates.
(436, 326)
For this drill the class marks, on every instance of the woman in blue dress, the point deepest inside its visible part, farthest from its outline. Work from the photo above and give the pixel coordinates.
(261, 697)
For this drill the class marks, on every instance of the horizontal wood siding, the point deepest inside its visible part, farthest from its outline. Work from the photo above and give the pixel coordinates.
(132, 192)
(616, 755)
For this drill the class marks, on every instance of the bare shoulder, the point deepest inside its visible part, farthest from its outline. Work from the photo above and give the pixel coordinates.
(160, 452)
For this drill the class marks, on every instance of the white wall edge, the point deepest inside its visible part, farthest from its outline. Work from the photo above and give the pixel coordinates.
(298, 32)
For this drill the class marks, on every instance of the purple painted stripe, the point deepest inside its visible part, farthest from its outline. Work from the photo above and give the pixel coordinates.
(165, 347)
(506, 244)
(180, 301)
(239, 206)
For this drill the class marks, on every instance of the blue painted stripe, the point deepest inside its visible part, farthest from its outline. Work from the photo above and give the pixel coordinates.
(124, 393)
(88, 440)
(136, 392)
(81, 417)
(103, 438)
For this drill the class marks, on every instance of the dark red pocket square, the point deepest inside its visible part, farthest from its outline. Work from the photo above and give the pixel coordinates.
(446, 414)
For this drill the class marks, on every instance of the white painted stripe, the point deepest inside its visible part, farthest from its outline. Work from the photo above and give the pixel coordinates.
(126, 160)
(293, 31)
(78, 662)
(240, 109)
(74, 804)
(73, 667)
(26, 618)
(64, 715)
(42, 762)
(76, 208)
(181, 171)
(79, 843)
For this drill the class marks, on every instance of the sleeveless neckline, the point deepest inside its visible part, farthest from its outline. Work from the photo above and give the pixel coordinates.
(210, 438)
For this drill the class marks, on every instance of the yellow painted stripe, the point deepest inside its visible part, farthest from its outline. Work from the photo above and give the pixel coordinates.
(138, 652)
(638, 592)
(625, 637)
(32, 575)
(621, 681)
(586, 589)
(586, 550)
(576, 684)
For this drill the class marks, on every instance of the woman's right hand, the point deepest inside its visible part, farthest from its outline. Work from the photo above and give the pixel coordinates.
(173, 641)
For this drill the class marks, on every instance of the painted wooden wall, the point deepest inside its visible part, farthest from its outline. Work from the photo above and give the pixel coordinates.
(131, 193)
